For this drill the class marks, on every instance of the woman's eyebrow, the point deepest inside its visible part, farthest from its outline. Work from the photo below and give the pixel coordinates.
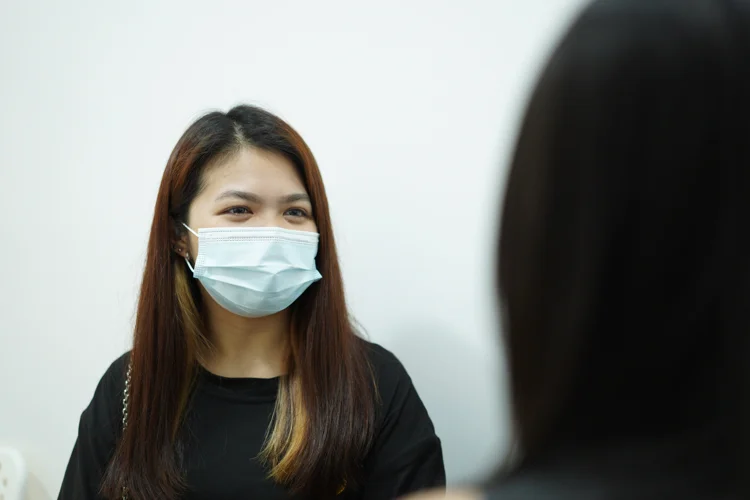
(291, 198)
(242, 195)
(254, 198)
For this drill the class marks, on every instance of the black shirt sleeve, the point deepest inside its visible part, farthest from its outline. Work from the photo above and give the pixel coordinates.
(407, 455)
(98, 430)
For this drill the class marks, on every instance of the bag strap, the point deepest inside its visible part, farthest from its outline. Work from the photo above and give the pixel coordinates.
(125, 399)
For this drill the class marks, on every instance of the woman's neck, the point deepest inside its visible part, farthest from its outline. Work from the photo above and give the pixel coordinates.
(246, 347)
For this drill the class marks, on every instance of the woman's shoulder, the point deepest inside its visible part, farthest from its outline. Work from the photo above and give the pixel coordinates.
(113, 380)
(104, 410)
(406, 454)
(118, 368)
(384, 363)
(393, 384)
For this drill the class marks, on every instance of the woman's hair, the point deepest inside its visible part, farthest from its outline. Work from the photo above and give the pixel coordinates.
(324, 417)
(624, 255)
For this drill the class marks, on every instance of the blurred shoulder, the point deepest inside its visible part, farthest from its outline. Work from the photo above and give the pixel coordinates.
(449, 495)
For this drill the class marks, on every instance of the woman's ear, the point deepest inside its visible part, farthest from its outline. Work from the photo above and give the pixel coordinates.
(180, 247)
(180, 242)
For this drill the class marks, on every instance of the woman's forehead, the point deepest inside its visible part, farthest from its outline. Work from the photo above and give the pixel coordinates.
(256, 171)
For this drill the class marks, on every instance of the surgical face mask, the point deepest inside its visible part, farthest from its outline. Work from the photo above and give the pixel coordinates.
(255, 271)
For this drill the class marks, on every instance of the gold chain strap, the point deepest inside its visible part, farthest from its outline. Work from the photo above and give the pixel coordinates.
(125, 398)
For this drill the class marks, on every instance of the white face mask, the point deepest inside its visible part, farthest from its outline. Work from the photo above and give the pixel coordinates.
(255, 271)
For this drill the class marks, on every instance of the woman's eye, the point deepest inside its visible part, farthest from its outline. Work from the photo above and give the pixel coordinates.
(296, 212)
(238, 211)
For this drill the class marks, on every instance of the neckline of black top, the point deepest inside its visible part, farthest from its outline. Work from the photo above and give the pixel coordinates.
(243, 389)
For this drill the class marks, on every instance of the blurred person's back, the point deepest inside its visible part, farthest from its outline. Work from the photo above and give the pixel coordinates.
(624, 259)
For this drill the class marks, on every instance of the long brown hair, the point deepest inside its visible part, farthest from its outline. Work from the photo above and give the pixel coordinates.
(324, 417)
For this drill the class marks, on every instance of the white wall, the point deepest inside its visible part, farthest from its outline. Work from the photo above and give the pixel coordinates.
(409, 106)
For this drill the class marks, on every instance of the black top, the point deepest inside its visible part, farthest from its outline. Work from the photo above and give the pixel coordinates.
(228, 422)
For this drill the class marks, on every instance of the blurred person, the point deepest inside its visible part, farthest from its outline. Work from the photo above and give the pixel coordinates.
(624, 261)
(247, 378)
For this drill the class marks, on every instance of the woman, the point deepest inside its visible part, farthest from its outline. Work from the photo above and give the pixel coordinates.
(246, 378)
(624, 263)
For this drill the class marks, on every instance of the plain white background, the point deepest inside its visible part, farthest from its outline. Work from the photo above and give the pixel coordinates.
(409, 106)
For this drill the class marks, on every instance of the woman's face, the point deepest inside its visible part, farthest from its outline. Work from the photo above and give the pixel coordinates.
(252, 188)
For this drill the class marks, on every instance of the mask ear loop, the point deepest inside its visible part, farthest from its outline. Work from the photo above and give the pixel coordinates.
(187, 261)
(189, 229)
(187, 255)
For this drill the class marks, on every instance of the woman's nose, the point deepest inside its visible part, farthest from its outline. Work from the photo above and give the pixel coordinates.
(268, 218)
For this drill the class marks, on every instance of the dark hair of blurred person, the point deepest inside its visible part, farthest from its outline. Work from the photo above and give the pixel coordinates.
(624, 260)
(624, 256)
